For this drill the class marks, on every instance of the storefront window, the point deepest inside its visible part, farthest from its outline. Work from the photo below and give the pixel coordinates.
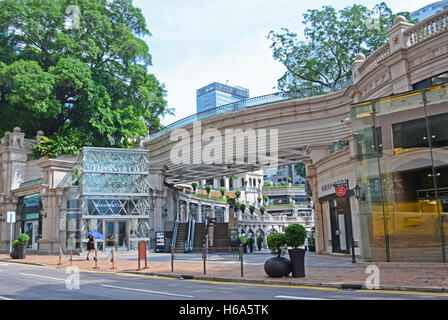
(405, 175)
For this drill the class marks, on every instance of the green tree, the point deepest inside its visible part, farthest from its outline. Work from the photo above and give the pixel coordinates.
(321, 60)
(88, 80)
(300, 169)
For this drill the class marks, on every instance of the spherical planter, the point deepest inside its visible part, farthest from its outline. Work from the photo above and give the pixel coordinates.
(277, 267)
(297, 257)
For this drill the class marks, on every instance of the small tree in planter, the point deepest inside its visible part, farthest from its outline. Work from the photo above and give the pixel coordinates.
(19, 246)
(266, 199)
(295, 236)
(237, 194)
(278, 266)
(260, 240)
(262, 210)
(223, 192)
(251, 209)
(208, 189)
(244, 241)
(289, 181)
(251, 242)
(194, 185)
(242, 208)
(259, 200)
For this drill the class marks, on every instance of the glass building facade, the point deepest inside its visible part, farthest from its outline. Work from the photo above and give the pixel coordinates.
(401, 154)
(217, 94)
(112, 197)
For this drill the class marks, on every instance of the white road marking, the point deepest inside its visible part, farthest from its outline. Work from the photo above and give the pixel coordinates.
(43, 277)
(300, 298)
(148, 291)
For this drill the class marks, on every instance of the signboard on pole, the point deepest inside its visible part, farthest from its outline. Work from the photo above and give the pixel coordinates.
(160, 241)
(11, 217)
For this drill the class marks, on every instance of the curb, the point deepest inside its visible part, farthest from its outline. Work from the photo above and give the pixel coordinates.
(341, 286)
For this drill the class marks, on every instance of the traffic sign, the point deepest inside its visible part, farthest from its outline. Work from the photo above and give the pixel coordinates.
(10, 217)
(341, 191)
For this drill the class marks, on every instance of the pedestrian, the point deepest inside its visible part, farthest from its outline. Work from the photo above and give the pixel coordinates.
(90, 247)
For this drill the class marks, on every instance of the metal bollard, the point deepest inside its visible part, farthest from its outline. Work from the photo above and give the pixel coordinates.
(112, 260)
(172, 259)
(71, 257)
(60, 256)
(96, 259)
(204, 258)
(241, 259)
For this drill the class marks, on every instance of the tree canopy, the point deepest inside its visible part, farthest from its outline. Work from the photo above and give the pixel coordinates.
(79, 71)
(332, 39)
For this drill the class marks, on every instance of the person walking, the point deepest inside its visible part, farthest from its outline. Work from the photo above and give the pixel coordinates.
(91, 247)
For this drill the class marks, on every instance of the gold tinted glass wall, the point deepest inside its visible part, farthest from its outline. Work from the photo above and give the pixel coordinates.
(402, 168)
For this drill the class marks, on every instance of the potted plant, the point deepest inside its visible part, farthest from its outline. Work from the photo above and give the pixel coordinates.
(223, 192)
(266, 199)
(251, 242)
(259, 200)
(289, 181)
(251, 209)
(19, 246)
(242, 207)
(244, 241)
(260, 240)
(295, 236)
(278, 266)
(208, 189)
(262, 210)
(194, 185)
(237, 194)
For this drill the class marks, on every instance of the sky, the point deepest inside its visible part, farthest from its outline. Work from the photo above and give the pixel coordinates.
(197, 42)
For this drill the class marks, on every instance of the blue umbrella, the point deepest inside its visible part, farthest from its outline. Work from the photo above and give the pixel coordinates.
(96, 234)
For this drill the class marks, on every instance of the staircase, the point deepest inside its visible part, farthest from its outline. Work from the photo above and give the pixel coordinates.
(198, 235)
(182, 233)
(221, 236)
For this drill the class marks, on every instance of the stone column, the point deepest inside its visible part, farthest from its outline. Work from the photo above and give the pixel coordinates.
(311, 175)
(54, 171)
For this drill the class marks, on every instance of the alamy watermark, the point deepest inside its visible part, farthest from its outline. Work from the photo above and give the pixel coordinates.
(73, 18)
(72, 282)
(373, 280)
(233, 146)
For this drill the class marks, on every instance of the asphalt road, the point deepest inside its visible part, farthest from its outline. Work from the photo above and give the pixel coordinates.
(25, 282)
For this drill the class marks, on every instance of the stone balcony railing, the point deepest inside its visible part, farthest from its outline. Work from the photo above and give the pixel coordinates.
(427, 28)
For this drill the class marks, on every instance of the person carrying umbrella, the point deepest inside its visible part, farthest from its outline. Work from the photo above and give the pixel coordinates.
(91, 247)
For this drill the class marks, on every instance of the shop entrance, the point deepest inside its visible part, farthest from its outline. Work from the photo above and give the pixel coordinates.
(31, 229)
(116, 235)
(339, 226)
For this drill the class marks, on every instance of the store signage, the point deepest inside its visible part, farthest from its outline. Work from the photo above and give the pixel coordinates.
(104, 206)
(341, 191)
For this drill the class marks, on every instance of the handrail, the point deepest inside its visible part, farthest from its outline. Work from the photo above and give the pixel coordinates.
(176, 227)
(193, 227)
(190, 236)
(204, 237)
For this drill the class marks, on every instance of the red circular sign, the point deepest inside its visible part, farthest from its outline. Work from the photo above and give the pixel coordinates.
(341, 191)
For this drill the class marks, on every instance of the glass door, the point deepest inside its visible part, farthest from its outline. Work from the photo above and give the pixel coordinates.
(109, 234)
(31, 228)
(122, 235)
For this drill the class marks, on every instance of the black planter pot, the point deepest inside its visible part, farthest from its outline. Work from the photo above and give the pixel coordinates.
(297, 257)
(277, 267)
(259, 245)
(14, 254)
(251, 247)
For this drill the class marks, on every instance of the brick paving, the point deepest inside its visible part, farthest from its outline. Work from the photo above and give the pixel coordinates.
(419, 277)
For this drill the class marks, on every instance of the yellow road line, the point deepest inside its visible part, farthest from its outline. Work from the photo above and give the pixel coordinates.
(239, 283)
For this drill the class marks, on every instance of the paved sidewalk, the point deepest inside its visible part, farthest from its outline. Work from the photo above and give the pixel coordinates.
(321, 270)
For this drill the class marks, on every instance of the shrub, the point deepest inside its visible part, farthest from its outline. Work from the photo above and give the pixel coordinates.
(251, 209)
(23, 238)
(251, 241)
(277, 242)
(243, 240)
(223, 191)
(262, 210)
(237, 193)
(16, 244)
(259, 199)
(208, 189)
(260, 239)
(295, 235)
(242, 207)
(194, 186)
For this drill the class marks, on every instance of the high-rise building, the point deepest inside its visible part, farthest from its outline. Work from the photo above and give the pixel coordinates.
(218, 94)
(429, 10)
